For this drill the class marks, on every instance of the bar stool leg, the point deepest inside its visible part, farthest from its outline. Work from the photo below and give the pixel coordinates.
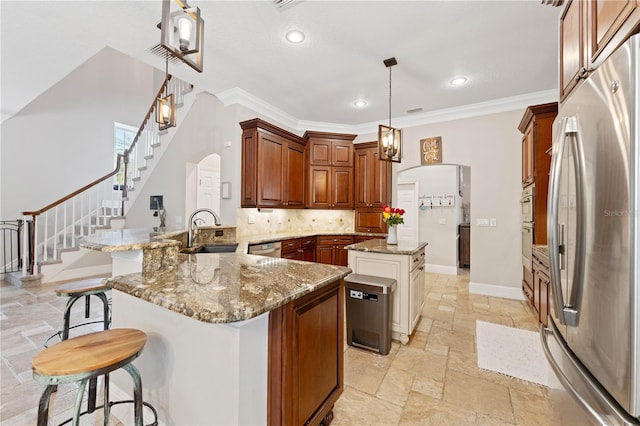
(137, 392)
(87, 306)
(107, 405)
(105, 310)
(67, 317)
(76, 413)
(43, 407)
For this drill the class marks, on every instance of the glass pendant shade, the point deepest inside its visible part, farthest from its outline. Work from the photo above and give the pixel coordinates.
(165, 112)
(182, 32)
(389, 143)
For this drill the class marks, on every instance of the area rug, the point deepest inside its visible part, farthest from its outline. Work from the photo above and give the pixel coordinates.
(513, 352)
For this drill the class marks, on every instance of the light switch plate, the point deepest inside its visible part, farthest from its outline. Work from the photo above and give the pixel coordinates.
(482, 222)
(252, 219)
(443, 221)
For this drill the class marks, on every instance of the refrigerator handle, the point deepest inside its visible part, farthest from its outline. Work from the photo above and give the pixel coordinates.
(556, 231)
(572, 311)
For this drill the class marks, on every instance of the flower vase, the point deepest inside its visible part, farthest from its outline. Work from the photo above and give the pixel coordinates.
(392, 236)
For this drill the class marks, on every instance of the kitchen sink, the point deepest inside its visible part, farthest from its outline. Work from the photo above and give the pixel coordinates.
(212, 248)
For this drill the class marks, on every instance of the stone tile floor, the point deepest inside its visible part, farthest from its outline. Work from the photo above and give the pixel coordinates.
(433, 380)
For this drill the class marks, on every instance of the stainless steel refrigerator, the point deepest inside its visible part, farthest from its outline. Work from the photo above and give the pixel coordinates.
(593, 338)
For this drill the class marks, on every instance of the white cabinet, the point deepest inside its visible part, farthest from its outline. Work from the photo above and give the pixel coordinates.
(408, 297)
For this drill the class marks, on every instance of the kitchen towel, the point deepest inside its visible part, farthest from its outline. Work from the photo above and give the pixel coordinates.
(513, 352)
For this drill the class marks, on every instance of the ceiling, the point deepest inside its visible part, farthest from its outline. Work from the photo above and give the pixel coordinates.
(506, 49)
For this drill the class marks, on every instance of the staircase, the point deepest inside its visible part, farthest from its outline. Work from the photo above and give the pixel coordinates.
(50, 250)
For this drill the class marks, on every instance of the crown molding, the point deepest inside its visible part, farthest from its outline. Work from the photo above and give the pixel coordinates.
(238, 96)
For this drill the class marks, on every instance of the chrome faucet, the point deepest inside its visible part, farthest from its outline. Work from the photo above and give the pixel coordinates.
(190, 235)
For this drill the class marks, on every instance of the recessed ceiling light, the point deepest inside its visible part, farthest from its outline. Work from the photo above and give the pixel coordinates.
(295, 36)
(458, 81)
(360, 103)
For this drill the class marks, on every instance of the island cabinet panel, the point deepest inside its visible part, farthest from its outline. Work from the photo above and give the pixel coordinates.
(330, 177)
(306, 358)
(372, 188)
(273, 166)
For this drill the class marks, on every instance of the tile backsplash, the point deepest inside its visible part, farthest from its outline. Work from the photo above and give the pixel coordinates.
(278, 221)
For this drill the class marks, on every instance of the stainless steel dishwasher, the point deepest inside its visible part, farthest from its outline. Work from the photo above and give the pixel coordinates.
(267, 249)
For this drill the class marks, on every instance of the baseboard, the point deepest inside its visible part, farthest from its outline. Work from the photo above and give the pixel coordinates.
(496, 291)
(441, 269)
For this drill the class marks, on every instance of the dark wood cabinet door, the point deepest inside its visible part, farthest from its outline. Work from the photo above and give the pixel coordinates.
(306, 358)
(369, 220)
(342, 153)
(362, 181)
(571, 46)
(249, 197)
(340, 255)
(271, 157)
(342, 187)
(320, 152)
(528, 159)
(308, 254)
(319, 187)
(380, 180)
(324, 254)
(607, 17)
(294, 176)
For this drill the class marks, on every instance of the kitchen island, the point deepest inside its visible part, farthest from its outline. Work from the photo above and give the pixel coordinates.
(403, 262)
(234, 338)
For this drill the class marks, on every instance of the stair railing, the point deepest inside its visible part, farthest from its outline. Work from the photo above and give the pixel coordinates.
(90, 207)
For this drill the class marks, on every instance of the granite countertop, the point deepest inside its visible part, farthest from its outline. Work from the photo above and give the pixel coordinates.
(381, 246)
(126, 239)
(224, 288)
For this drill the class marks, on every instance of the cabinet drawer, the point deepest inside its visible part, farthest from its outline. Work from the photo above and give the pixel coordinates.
(335, 239)
(308, 242)
(417, 259)
(290, 246)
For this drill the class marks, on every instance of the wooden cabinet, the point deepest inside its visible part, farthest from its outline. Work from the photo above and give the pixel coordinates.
(589, 32)
(464, 246)
(372, 188)
(299, 249)
(273, 166)
(330, 170)
(541, 285)
(305, 380)
(408, 297)
(330, 249)
(536, 126)
(361, 238)
(330, 187)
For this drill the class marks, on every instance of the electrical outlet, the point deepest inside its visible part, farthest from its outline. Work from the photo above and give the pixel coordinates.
(252, 219)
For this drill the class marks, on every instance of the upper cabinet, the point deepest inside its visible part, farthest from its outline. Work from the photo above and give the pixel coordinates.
(273, 166)
(536, 126)
(372, 187)
(330, 172)
(589, 32)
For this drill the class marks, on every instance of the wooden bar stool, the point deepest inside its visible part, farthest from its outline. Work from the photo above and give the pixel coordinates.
(83, 358)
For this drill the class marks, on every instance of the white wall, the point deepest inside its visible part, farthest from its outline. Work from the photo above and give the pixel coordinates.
(490, 145)
(442, 179)
(64, 138)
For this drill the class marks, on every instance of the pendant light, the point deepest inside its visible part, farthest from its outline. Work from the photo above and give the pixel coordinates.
(182, 32)
(389, 138)
(165, 106)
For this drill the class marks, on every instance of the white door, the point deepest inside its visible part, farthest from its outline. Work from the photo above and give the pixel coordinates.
(408, 200)
(208, 189)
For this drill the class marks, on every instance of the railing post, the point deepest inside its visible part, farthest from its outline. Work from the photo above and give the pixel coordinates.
(124, 187)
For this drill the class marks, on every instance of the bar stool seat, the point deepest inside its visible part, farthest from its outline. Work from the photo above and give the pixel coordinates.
(86, 357)
(76, 290)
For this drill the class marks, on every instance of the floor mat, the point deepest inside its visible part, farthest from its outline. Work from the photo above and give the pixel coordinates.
(513, 352)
